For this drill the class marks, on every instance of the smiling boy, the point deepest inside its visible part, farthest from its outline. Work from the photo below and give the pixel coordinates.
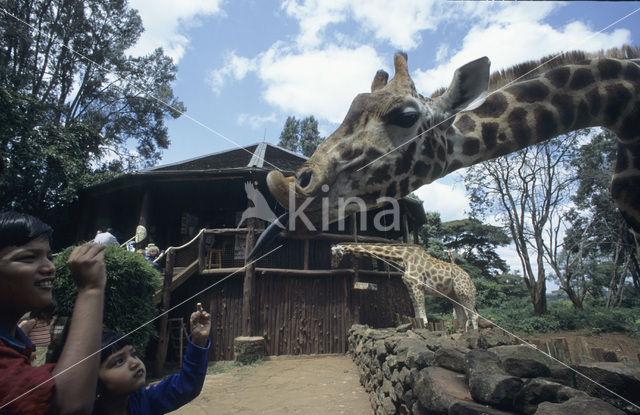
(26, 280)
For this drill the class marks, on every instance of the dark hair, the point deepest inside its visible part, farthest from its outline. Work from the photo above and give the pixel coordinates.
(111, 343)
(18, 229)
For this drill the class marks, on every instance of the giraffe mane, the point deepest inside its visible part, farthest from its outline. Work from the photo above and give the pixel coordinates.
(530, 69)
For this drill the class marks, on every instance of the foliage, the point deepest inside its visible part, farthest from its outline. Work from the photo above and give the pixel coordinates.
(598, 243)
(516, 315)
(477, 241)
(300, 136)
(131, 284)
(71, 99)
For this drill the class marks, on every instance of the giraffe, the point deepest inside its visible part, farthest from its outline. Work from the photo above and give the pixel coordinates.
(394, 140)
(423, 274)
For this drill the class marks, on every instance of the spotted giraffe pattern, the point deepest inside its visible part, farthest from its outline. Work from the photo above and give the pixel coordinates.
(423, 275)
(394, 140)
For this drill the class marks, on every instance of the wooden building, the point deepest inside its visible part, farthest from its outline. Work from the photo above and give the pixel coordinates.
(292, 297)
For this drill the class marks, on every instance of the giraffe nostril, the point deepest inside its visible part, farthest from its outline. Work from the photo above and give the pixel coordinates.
(304, 179)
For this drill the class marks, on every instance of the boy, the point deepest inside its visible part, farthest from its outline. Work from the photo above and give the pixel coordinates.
(122, 375)
(26, 281)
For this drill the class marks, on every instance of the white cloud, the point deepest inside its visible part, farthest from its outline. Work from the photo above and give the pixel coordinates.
(321, 82)
(166, 22)
(314, 16)
(516, 35)
(255, 121)
(235, 67)
(399, 22)
(447, 199)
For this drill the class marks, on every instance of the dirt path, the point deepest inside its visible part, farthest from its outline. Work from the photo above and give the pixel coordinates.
(327, 384)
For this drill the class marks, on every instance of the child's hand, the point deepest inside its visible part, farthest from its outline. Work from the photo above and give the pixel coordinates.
(87, 267)
(200, 326)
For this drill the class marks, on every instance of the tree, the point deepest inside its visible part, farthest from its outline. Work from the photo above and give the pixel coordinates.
(300, 136)
(309, 136)
(290, 134)
(73, 100)
(598, 243)
(529, 191)
(477, 242)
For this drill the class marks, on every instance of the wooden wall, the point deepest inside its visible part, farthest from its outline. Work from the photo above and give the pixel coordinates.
(295, 314)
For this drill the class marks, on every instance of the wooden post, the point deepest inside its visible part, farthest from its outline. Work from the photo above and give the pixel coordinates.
(201, 253)
(306, 254)
(416, 233)
(249, 279)
(144, 216)
(354, 226)
(163, 335)
(405, 229)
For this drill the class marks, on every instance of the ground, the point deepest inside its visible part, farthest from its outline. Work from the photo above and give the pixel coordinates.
(326, 384)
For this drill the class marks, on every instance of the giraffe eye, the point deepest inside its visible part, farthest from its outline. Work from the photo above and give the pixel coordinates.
(404, 119)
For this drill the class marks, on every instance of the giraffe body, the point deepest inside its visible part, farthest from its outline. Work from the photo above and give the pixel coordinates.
(394, 140)
(423, 275)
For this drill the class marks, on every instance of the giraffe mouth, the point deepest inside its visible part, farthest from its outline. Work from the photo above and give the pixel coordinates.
(288, 192)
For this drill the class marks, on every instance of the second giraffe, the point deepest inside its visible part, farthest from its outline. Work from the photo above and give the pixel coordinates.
(423, 275)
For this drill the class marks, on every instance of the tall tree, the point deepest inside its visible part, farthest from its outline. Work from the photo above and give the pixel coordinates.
(300, 136)
(74, 100)
(290, 134)
(598, 245)
(310, 137)
(529, 191)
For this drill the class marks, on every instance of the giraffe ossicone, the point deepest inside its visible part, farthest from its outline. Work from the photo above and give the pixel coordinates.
(394, 140)
(423, 275)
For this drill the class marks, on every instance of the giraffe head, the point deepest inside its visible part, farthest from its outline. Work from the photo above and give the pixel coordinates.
(337, 252)
(391, 141)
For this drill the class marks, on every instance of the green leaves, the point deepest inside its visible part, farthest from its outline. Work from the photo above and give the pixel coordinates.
(69, 92)
(131, 284)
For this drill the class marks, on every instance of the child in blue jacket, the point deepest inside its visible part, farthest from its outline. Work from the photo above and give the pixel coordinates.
(122, 375)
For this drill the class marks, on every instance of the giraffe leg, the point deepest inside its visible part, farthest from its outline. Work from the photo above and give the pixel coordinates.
(461, 316)
(417, 298)
(472, 313)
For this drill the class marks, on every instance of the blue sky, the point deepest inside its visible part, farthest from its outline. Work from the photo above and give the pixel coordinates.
(245, 65)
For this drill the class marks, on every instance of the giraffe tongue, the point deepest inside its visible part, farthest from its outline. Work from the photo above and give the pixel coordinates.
(280, 186)
(269, 234)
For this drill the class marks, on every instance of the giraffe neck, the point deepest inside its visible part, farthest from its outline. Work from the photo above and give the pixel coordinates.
(601, 92)
(391, 253)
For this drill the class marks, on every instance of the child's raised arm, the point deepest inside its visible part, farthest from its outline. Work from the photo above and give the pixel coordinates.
(76, 387)
(200, 326)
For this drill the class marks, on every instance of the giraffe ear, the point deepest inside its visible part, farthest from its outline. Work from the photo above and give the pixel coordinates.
(468, 88)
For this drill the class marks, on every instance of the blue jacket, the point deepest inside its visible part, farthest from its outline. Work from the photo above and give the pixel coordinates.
(176, 390)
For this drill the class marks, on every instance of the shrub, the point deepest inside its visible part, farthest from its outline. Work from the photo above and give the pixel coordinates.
(131, 283)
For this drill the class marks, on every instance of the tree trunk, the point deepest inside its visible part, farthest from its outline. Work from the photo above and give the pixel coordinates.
(540, 298)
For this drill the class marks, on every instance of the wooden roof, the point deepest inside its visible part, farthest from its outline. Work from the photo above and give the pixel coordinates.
(261, 155)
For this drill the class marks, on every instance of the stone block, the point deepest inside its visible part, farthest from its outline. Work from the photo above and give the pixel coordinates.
(248, 349)
(578, 406)
(437, 389)
(488, 382)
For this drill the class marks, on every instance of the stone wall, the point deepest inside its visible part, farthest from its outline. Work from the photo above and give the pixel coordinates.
(416, 371)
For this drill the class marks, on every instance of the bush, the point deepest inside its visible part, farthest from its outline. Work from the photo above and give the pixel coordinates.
(131, 283)
(517, 315)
